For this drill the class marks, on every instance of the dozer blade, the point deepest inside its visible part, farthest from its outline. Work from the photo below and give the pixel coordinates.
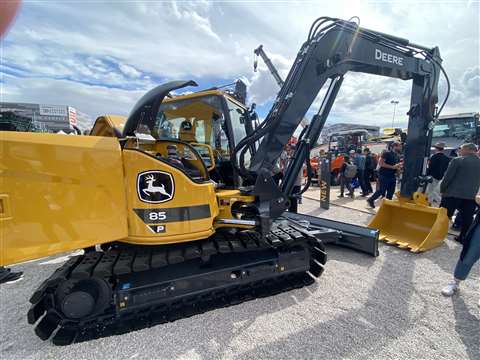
(411, 226)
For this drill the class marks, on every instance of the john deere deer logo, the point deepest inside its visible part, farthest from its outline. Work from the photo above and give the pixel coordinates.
(155, 186)
(150, 179)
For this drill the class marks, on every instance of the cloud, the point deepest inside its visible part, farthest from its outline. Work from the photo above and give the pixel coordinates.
(262, 87)
(184, 12)
(129, 71)
(471, 81)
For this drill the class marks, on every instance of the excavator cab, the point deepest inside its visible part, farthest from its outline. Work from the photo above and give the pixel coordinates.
(209, 121)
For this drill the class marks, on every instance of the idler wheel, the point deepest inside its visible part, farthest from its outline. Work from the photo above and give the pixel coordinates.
(80, 299)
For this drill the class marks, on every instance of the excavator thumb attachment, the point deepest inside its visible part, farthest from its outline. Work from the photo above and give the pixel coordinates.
(413, 225)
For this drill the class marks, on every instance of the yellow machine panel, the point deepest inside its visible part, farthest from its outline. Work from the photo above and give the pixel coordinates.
(411, 225)
(164, 204)
(227, 199)
(59, 193)
(108, 125)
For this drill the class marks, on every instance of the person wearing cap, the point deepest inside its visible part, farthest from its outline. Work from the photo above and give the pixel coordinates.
(360, 160)
(387, 174)
(460, 186)
(347, 173)
(437, 166)
(369, 170)
(172, 156)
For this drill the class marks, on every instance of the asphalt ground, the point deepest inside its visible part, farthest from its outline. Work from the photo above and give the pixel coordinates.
(388, 307)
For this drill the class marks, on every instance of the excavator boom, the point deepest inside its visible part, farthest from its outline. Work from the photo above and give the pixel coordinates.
(333, 48)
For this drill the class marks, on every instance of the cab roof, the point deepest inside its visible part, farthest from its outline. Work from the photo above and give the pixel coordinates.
(203, 93)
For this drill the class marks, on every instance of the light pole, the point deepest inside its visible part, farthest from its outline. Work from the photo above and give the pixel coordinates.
(394, 102)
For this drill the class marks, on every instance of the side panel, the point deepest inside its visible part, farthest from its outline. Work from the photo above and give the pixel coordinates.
(58, 193)
(164, 205)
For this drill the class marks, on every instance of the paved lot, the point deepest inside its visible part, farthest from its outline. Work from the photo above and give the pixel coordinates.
(383, 308)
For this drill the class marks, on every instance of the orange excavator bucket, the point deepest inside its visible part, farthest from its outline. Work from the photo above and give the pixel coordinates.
(411, 224)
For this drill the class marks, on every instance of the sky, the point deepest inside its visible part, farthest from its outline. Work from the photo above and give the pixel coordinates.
(101, 57)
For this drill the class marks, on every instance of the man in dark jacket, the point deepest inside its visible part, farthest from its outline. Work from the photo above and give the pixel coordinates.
(360, 161)
(387, 175)
(369, 169)
(437, 166)
(460, 185)
(347, 172)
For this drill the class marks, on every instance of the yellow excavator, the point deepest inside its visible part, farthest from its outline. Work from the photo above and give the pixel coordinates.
(178, 206)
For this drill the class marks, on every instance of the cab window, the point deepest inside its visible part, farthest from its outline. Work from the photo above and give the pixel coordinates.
(238, 117)
(194, 120)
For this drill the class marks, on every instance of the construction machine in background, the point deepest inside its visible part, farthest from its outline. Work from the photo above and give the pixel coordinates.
(347, 140)
(341, 143)
(273, 70)
(457, 129)
(180, 199)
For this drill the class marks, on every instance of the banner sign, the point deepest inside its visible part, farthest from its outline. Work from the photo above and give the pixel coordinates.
(52, 110)
(325, 173)
(72, 116)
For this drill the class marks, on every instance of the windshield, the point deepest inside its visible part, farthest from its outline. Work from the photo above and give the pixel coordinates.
(238, 117)
(195, 120)
(463, 129)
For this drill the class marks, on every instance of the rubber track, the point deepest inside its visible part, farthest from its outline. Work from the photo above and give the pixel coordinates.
(107, 265)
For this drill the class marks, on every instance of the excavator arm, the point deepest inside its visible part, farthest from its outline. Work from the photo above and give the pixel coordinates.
(333, 48)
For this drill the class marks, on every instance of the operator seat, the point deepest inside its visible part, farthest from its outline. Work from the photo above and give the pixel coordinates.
(181, 163)
(187, 131)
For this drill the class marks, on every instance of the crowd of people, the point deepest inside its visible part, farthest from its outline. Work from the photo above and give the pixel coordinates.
(358, 169)
(453, 183)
